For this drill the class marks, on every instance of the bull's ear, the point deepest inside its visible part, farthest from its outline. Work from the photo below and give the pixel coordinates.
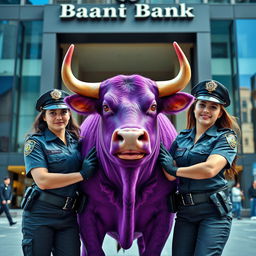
(81, 104)
(176, 103)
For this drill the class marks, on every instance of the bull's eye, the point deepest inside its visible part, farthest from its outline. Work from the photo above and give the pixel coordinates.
(106, 108)
(153, 107)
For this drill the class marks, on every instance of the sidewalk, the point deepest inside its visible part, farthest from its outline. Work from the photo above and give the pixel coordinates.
(242, 241)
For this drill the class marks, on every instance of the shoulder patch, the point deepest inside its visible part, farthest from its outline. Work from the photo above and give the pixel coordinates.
(185, 131)
(29, 146)
(231, 139)
(224, 129)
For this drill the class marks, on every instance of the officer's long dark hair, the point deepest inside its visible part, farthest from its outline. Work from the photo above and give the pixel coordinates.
(225, 121)
(40, 125)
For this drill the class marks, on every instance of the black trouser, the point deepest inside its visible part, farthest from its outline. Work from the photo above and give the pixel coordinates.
(199, 231)
(5, 208)
(47, 230)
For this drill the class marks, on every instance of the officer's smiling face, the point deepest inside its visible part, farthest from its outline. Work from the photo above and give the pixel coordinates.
(207, 113)
(57, 119)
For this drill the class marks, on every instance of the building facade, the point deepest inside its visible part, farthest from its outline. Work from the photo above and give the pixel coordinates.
(123, 37)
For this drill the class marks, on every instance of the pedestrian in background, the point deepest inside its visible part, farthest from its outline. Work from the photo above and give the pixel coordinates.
(237, 197)
(203, 154)
(252, 196)
(52, 158)
(6, 198)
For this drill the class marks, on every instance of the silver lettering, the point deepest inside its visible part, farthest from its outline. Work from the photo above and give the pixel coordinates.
(142, 11)
(122, 11)
(157, 12)
(109, 12)
(95, 13)
(171, 12)
(67, 11)
(186, 12)
(82, 13)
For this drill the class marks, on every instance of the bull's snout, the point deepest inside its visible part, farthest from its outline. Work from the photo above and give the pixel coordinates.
(130, 143)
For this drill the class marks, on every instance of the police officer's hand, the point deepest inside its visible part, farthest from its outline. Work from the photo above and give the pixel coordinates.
(89, 165)
(166, 160)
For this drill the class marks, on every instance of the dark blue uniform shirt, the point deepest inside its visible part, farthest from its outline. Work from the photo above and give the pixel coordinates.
(185, 152)
(5, 192)
(47, 150)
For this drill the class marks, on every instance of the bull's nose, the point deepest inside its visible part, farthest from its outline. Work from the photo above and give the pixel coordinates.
(130, 143)
(131, 137)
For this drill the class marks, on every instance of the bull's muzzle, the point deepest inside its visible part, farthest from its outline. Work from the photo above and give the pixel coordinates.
(130, 143)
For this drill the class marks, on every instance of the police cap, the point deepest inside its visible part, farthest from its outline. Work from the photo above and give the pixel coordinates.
(211, 90)
(53, 99)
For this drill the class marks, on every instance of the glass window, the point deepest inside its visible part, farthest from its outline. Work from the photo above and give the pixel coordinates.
(222, 70)
(65, 1)
(244, 117)
(219, 50)
(9, 1)
(192, 1)
(38, 2)
(218, 1)
(223, 62)
(8, 32)
(161, 1)
(245, 1)
(29, 86)
(244, 104)
(246, 52)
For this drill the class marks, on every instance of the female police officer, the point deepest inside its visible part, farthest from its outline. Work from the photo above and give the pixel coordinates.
(52, 158)
(202, 154)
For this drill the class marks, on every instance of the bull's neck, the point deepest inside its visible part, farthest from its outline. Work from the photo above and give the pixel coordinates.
(126, 229)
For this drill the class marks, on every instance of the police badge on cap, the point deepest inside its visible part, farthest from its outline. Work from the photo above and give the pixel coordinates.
(53, 99)
(211, 90)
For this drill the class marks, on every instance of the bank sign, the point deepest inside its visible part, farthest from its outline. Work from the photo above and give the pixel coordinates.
(140, 11)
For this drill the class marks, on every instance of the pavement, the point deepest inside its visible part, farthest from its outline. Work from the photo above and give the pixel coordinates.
(242, 240)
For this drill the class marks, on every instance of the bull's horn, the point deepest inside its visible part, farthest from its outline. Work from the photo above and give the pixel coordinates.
(169, 87)
(73, 84)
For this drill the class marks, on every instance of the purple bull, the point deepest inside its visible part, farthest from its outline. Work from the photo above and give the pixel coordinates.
(127, 197)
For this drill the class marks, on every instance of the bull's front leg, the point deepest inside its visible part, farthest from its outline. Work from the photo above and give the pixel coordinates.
(92, 234)
(156, 233)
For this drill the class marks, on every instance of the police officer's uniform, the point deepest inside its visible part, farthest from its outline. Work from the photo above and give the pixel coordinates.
(6, 195)
(50, 225)
(201, 229)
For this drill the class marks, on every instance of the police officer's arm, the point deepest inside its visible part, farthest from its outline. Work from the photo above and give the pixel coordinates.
(2, 193)
(222, 155)
(213, 165)
(36, 165)
(46, 180)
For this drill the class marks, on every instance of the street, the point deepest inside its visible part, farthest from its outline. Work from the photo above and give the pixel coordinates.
(242, 241)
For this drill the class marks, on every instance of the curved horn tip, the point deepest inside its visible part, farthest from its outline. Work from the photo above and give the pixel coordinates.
(71, 48)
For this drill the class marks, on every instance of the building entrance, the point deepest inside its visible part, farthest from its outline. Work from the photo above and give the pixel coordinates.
(95, 62)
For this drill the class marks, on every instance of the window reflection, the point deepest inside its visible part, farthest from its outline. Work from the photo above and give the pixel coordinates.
(8, 30)
(223, 62)
(246, 51)
(9, 1)
(38, 2)
(30, 79)
(218, 1)
(221, 56)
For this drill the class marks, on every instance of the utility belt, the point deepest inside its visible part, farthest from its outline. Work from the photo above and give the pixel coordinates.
(32, 194)
(220, 198)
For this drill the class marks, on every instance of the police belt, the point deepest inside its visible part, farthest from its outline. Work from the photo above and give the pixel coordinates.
(189, 199)
(64, 203)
